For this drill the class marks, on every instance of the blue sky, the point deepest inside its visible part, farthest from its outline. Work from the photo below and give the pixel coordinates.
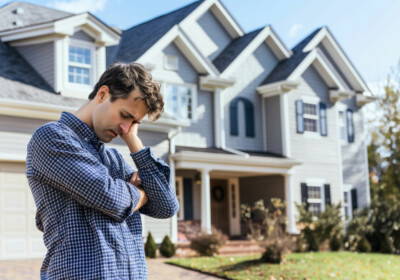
(368, 30)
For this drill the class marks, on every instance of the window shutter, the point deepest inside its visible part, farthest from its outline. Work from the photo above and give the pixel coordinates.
(350, 125)
(188, 198)
(233, 118)
(327, 192)
(304, 194)
(354, 199)
(323, 124)
(299, 116)
(249, 117)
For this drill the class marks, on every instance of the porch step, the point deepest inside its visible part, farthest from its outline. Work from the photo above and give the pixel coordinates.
(231, 248)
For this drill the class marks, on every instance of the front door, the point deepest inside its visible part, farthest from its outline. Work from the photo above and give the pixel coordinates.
(219, 205)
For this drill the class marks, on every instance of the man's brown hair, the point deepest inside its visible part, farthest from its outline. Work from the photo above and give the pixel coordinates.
(123, 78)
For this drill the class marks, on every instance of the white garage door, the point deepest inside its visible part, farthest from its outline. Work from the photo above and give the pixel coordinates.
(19, 237)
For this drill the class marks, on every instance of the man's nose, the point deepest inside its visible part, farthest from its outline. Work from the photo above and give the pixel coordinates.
(125, 126)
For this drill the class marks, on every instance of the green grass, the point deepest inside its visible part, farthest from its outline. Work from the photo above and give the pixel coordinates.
(300, 266)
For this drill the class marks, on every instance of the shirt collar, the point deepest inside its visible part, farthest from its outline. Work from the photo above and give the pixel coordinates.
(80, 128)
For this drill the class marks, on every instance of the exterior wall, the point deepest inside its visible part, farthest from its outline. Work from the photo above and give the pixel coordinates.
(201, 131)
(255, 188)
(41, 57)
(82, 36)
(273, 124)
(355, 159)
(249, 75)
(209, 35)
(320, 156)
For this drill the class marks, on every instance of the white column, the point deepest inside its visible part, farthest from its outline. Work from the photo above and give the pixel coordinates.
(219, 120)
(100, 62)
(174, 219)
(290, 210)
(234, 207)
(284, 106)
(205, 201)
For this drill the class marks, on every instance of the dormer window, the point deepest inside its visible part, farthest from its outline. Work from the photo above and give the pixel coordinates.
(80, 63)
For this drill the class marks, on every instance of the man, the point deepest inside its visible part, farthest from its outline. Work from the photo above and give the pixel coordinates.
(88, 198)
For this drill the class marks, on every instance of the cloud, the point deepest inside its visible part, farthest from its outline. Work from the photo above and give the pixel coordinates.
(295, 30)
(79, 6)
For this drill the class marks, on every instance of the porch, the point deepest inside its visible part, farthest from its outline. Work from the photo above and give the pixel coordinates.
(212, 183)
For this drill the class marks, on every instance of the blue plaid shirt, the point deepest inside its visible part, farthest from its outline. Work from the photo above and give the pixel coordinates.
(85, 202)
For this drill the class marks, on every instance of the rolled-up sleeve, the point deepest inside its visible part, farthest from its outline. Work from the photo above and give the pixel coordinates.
(60, 161)
(155, 176)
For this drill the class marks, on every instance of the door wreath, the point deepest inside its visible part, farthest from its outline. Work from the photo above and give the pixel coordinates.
(218, 193)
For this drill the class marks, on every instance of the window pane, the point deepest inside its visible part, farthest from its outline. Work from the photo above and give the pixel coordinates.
(78, 75)
(314, 192)
(310, 109)
(178, 101)
(80, 55)
(310, 125)
(315, 208)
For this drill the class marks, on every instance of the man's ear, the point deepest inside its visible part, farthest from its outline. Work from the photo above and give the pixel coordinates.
(102, 94)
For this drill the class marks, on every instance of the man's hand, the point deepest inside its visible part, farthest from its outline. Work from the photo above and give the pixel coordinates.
(129, 135)
(135, 180)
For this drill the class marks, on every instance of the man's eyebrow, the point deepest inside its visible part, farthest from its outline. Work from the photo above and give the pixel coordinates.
(129, 114)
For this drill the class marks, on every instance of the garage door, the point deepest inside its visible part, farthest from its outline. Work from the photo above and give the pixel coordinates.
(19, 238)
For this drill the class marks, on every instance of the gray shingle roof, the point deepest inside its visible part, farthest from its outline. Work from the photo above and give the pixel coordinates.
(285, 67)
(229, 54)
(37, 14)
(18, 80)
(215, 150)
(136, 40)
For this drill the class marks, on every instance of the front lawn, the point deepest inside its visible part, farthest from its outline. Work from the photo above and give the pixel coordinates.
(301, 266)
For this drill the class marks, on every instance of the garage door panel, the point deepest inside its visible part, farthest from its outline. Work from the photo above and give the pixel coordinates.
(37, 248)
(15, 247)
(14, 200)
(14, 223)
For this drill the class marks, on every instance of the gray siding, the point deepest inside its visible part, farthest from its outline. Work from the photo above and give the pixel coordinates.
(41, 57)
(273, 123)
(248, 77)
(83, 36)
(320, 156)
(355, 160)
(215, 31)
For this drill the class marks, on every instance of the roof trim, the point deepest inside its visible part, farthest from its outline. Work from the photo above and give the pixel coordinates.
(268, 36)
(326, 37)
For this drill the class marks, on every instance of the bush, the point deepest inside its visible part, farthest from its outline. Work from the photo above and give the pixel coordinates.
(321, 231)
(150, 248)
(167, 248)
(208, 244)
(363, 246)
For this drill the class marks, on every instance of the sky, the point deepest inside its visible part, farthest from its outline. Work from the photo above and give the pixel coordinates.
(368, 30)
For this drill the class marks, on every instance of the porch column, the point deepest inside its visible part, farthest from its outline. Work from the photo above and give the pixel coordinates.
(290, 210)
(205, 201)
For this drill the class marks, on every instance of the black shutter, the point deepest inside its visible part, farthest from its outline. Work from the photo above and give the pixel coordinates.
(327, 192)
(304, 194)
(188, 198)
(323, 124)
(354, 199)
(350, 125)
(299, 116)
(249, 117)
(233, 118)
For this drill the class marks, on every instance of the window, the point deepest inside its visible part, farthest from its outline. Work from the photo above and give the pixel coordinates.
(315, 196)
(310, 117)
(80, 65)
(342, 126)
(179, 100)
(171, 62)
(346, 205)
(314, 199)
(179, 195)
(248, 117)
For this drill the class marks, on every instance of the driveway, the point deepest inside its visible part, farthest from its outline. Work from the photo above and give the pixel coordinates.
(29, 270)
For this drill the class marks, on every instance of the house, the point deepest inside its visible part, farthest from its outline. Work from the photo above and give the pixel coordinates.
(246, 118)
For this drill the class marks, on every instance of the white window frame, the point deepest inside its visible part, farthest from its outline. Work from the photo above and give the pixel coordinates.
(180, 197)
(340, 107)
(92, 68)
(314, 101)
(193, 89)
(317, 182)
(347, 189)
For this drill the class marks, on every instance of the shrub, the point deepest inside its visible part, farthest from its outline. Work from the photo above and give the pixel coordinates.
(167, 248)
(208, 244)
(150, 248)
(363, 246)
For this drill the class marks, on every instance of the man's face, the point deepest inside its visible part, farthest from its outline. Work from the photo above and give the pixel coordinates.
(111, 119)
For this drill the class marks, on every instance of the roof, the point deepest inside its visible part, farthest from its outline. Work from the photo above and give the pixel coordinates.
(234, 48)
(19, 81)
(136, 40)
(285, 67)
(215, 150)
(37, 14)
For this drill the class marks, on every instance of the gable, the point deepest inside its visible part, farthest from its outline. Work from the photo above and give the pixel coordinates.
(82, 36)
